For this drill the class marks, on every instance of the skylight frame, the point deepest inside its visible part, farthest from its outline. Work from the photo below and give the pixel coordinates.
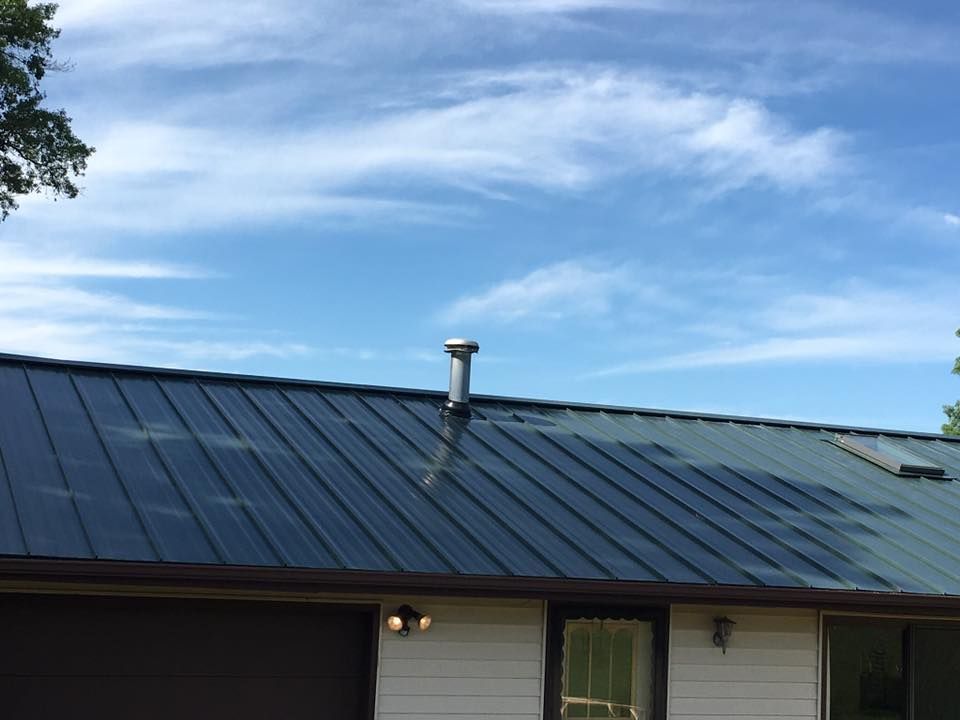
(851, 443)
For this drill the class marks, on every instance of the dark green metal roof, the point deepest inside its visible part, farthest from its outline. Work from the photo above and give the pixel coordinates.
(138, 464)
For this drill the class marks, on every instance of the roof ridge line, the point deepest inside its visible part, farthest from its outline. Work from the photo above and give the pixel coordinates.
(508, 400)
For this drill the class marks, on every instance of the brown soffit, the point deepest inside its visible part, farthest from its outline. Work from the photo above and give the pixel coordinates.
(26, 573)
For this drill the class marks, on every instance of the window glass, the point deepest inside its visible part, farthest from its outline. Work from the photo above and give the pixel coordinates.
(607, 669)
(936, 669)
(867, 679)
(888, 454)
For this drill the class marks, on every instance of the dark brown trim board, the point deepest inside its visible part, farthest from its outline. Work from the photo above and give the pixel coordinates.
(552, 672)
(376, 625)
(30, 573)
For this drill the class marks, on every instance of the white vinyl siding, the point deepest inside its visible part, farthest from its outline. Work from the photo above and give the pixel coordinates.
(770, 670)
(479, 659)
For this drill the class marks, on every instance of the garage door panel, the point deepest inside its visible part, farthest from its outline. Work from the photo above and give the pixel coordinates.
(113, 658)
(163, 698)
(181, 638)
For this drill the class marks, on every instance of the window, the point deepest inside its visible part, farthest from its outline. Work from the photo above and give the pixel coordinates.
(867, 662)
(891, 670)
(887, 454)
(605, 663)
(936, 667)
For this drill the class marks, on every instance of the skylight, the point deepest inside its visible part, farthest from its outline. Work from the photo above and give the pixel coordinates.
(881, 451)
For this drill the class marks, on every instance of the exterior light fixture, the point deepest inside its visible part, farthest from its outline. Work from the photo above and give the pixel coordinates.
(399, 622)
(724, 630)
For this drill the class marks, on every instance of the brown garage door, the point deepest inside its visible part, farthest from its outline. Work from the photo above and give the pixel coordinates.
(119, 659)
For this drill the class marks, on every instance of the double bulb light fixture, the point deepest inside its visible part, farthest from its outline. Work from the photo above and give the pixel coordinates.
(399, 622)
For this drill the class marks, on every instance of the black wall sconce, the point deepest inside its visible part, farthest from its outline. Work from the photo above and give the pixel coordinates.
(399, 622)
(724, 630)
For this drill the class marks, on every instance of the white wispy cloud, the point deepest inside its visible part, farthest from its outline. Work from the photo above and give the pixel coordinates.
(858, 322)
(835, 33)
(524, 7)
(558, 291)
(112, 341)
(176, 351)
(859, 305)
(180, 33)
(17, 261)
(778, 349)
(716, 316)
(829, 36)
(555, 129)
(44, 311)
(31, 300)
(183, 33)
(208, 160)
(181, 158)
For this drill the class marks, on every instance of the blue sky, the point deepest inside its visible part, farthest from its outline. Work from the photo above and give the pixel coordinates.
(743, 207)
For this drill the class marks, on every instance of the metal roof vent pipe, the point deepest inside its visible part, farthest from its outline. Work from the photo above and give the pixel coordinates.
(458, 399)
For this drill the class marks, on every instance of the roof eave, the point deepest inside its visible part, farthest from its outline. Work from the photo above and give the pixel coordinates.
(45, 574)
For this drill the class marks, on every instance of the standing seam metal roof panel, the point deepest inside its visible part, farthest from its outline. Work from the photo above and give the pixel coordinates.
(140, 464)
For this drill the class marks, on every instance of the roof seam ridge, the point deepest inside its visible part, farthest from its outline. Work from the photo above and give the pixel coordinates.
(318, 475)
(308, 522)
(560, 473)
(224, 476)
(784, 483)
(539, 456)
(755, 526)
(13, 499)
(866, 510)
(871, 512)
(513, 532)
(216, 544)
(63, 472)
(789, 525)
(411, 480)
(147, 526)
(359, 472)
(669, 497)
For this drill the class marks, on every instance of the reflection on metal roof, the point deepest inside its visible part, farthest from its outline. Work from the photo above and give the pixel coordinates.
(136, 464)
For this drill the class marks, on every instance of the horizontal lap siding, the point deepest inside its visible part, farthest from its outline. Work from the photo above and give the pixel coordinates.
(480, 659)
(770, 669)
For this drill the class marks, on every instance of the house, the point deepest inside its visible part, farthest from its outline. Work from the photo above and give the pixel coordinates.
(202, 545)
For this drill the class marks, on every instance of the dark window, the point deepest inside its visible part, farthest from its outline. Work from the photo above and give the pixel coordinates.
(867, 662)
(891, 670)
(936, 669)
(605, 662)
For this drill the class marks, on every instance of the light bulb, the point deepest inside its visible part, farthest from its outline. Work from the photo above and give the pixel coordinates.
(425, 621)
(395, 623)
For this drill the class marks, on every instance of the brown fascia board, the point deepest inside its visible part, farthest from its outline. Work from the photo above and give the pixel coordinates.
(24, 574)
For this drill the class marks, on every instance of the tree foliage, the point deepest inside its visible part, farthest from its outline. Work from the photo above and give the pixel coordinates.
(38, 150)
(952, 426)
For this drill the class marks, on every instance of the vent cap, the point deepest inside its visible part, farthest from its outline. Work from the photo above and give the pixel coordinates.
(458, 399)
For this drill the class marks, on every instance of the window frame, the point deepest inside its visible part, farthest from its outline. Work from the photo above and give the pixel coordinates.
(852, 443)
(558, 614)
(911, 625)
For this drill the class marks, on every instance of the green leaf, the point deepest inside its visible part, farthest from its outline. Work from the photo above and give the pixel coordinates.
(38, 149)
